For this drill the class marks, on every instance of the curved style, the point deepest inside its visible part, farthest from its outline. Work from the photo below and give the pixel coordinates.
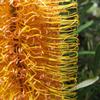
(38, 49)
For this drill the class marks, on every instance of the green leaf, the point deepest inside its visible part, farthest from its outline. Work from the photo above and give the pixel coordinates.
(82, 53)
(86, 83)
(86, 25)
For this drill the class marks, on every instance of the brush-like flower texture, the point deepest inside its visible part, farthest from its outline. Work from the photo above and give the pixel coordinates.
(38, 49)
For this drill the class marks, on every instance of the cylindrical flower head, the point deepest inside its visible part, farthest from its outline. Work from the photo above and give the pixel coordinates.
(38, 49)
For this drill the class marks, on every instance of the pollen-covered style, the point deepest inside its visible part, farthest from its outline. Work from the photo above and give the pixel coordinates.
(38, 49)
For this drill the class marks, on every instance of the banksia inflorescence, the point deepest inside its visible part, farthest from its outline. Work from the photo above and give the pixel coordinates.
(38, 49)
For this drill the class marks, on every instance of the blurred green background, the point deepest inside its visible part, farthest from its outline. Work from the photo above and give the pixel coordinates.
(89, 49)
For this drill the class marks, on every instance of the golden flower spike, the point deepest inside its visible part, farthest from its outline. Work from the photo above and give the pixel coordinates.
(38, 49)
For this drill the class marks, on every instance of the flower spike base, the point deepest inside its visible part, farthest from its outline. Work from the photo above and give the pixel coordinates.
(38, 49)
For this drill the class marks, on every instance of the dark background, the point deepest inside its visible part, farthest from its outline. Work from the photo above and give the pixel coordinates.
(89, 49)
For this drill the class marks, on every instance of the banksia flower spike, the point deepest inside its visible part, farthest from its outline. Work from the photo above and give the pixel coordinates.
(38, 49)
